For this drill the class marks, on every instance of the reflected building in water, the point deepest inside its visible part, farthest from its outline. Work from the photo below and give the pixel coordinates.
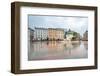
(49, 50)
(54, 45)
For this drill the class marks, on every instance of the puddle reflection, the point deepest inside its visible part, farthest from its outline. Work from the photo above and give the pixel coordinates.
(49, 50)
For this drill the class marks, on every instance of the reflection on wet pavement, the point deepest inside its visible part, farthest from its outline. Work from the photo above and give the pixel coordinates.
(49, 50)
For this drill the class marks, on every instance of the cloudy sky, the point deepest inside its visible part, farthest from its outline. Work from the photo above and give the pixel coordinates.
(78, 24)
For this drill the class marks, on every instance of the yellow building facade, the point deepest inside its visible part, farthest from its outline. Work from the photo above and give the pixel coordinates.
(55, 34)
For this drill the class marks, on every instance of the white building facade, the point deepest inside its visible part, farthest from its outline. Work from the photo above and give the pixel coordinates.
(40, 33)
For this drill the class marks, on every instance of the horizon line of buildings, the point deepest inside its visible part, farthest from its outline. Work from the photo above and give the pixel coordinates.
(52, 34)
(46, 33)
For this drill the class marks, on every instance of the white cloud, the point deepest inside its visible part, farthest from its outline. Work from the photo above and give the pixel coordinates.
(78, 24)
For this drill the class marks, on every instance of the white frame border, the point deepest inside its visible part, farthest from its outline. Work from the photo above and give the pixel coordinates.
(25, 64)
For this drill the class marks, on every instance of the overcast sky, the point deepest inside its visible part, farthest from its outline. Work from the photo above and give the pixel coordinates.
(78, 24)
